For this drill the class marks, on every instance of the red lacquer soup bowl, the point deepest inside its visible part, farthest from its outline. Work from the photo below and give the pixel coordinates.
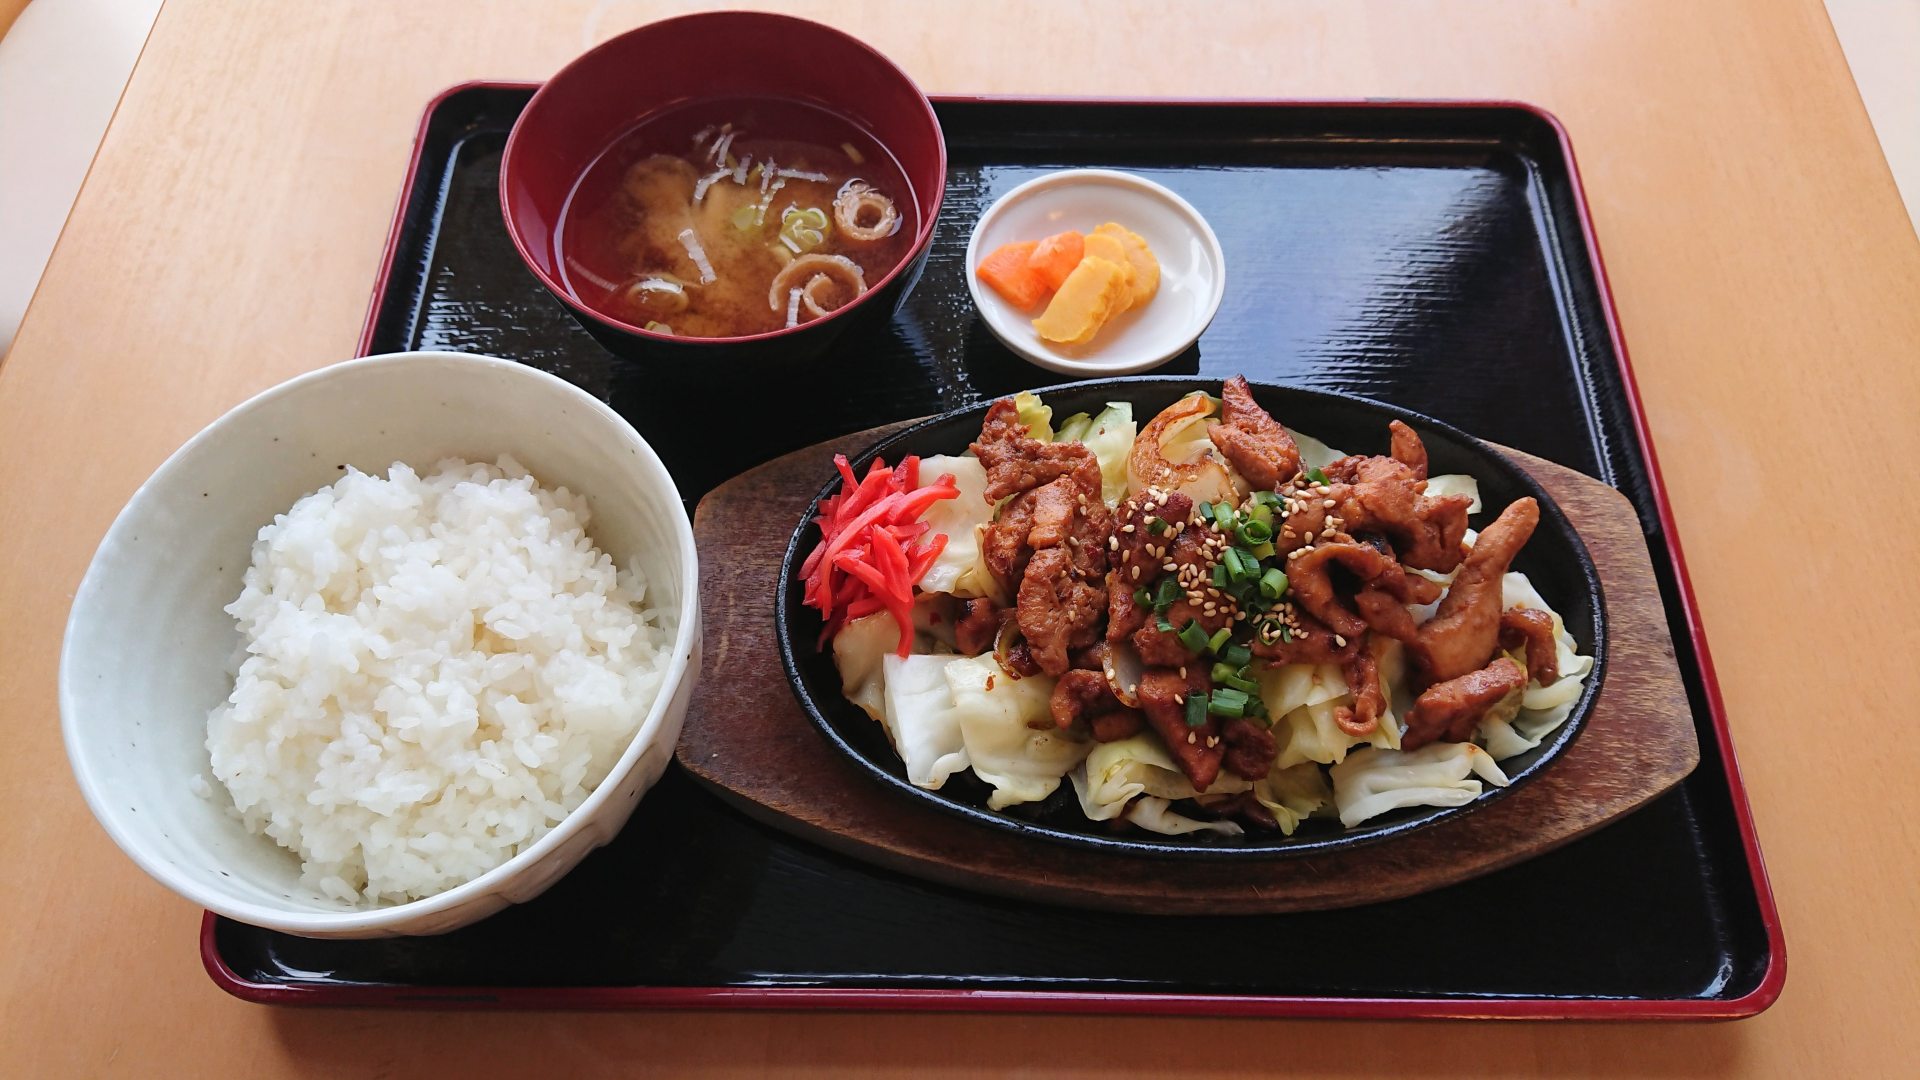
(660, 78)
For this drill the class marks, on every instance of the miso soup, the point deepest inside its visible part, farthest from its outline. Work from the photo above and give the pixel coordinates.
(728, 217)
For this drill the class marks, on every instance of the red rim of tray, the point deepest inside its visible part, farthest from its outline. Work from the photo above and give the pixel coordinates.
(1156, 1004)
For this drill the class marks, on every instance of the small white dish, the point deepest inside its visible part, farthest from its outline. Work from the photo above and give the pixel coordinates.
(1193, 269)
(148, 645)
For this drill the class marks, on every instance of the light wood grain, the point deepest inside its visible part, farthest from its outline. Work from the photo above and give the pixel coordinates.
(229, 232)
(748, 738)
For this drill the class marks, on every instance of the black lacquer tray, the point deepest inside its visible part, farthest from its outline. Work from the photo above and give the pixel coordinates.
(1432, 255)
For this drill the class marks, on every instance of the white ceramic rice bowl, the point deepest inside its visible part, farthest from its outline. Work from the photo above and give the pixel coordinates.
(148, 648)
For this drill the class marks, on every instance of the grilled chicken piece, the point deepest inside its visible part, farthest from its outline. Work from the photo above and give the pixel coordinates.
(1363, 678)
(1082, 695)
(1116, 725)
(1251, 749)
(1465, 631)
(1004, 543)
(1385, 614)
(979, 625)
(1310, 582)
(1136, 542)
(1535, 628)
(1253, 441)
(1079, 694)
(1198, 750)
(1406, 448)
(1387, 496)
(1056, 610)
(1313, 642)
(1015, 461)
(1450, 709)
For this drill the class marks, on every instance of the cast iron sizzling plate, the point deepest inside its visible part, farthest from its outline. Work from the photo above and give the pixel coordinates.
(1435, 255)
(1555, 559)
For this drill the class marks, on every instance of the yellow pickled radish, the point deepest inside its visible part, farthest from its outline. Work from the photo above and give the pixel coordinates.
(1095, 291)
(1146, 276)
(1108, 247)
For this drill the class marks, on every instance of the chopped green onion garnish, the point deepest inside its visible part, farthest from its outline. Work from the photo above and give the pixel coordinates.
(1244, 685)
(1286, 633)
(1164, 626)
(1227, 702)
(1158, 526)
(1206, 511)
(1262, 513)
(1142, 597)
(1223, 513)
(1193, 636)
(1273, 583)
(1269, 499)
(1196, 709)
(1263, 551)
(1256, 532)
(1219, 639)
(1314, 474)
(1240, 566)
(1222, 672)
(1219, 575)
(1237, 657)
(1165, 592)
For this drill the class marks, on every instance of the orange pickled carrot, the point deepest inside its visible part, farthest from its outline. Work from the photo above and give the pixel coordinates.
(1007, 273)
(1056, 256)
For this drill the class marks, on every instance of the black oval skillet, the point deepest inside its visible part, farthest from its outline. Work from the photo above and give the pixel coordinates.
(1555, 560)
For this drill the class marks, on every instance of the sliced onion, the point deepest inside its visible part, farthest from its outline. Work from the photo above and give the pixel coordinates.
(691, 241)
(1124, 670)
(1204, 478)
(856, 196)
(810, 273)
(804, 174)
(1003, 643)
(659, 295)
(793, 308)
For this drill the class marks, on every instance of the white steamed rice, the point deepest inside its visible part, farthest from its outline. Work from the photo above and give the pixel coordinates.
(438, 670)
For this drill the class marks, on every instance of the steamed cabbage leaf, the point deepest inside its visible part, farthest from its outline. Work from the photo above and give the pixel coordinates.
(961, 568)
(1304, 697)
(1037, 415)
(1314, 454)
(857, 651)
(1156, 815)
(1073, 428)
(1541, 709)
(1372, 781)
(1111, 440)
(921, 720)
(1455, 484)
(1022, 763)
(1115, 773)
(1293, 793)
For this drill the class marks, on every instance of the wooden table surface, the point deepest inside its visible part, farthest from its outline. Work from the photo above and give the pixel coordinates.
(1767, 280)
